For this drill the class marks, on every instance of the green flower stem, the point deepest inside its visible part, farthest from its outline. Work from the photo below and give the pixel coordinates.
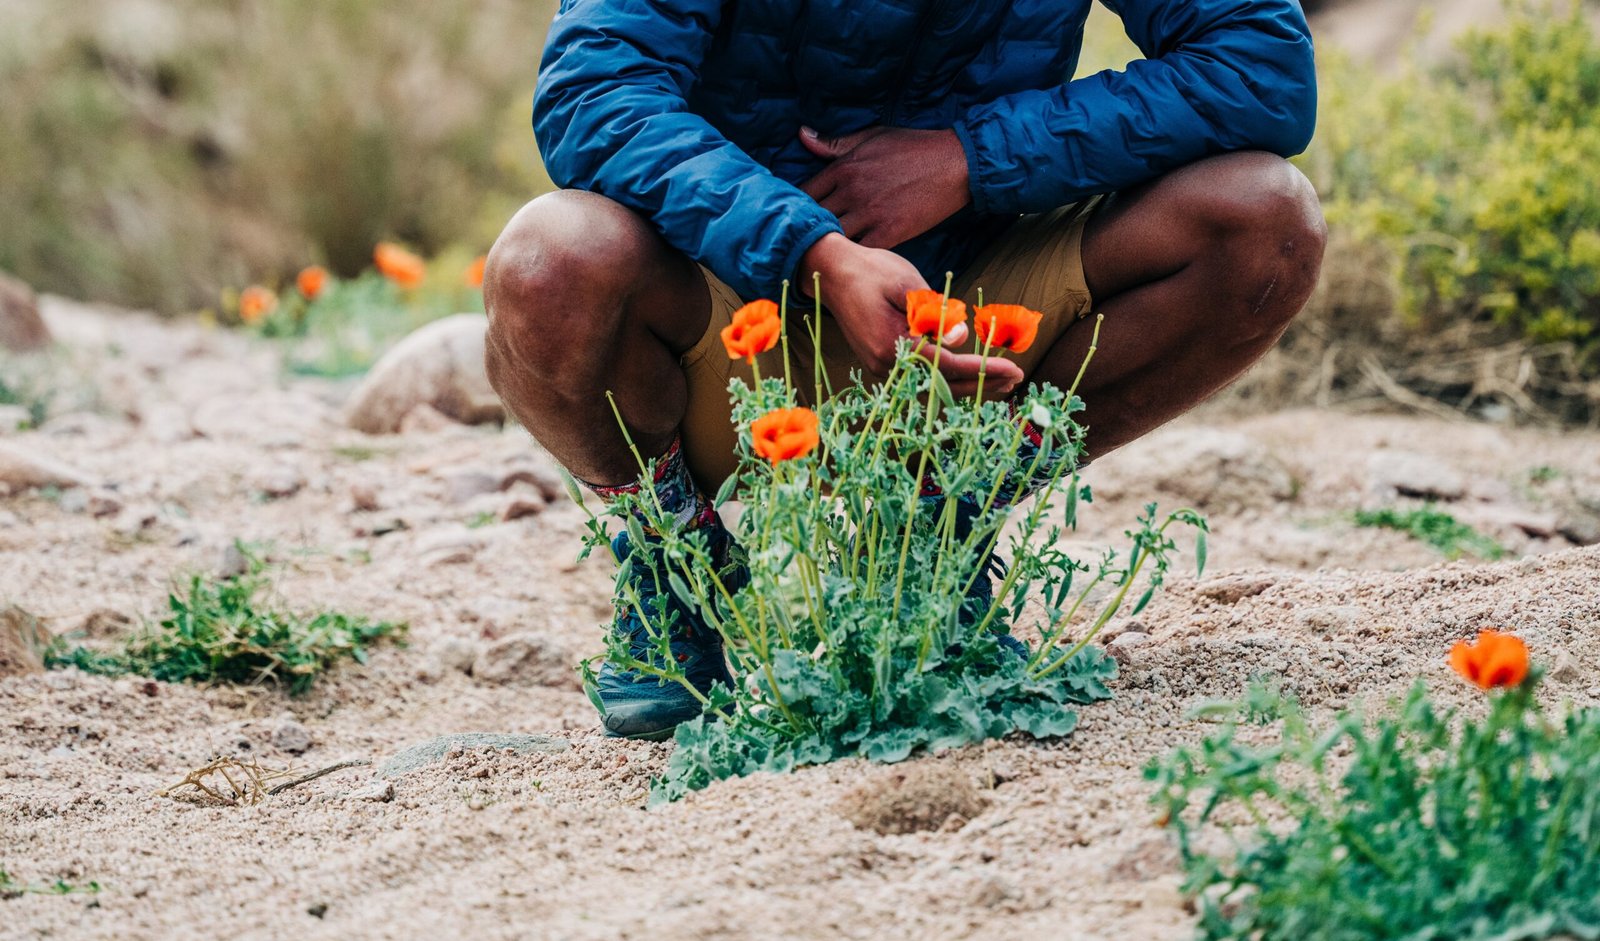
(922, 457)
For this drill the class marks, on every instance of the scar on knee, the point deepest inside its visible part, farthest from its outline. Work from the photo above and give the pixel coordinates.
(1266, 295)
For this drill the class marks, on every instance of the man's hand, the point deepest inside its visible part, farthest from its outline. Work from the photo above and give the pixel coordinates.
(865, 289)
(889, 185)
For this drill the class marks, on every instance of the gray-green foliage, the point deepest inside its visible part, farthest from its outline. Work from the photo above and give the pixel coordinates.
(224, 630)
(1425, 825)
(852, 636)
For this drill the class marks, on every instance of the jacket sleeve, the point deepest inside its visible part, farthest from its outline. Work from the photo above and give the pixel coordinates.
(611, 116)
(1219, 75)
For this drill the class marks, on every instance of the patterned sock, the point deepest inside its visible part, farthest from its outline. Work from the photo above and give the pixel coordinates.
(674, 489)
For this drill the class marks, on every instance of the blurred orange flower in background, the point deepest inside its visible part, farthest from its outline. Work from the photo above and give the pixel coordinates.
(311, 282)
(255, 303)
(1011, 326)
(1495, 660)
(474, 275)
(785, 434)
(926, 308)
(754, 330)
(398, 265)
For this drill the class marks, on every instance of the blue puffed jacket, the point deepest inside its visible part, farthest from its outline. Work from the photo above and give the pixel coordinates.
(688, 110)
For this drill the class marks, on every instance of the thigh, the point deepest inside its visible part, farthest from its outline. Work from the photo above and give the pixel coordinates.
(1037, 263)
(710, 442)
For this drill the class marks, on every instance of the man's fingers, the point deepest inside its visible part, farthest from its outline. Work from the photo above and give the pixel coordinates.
(819, 186)
(961, 371)
(832, 148)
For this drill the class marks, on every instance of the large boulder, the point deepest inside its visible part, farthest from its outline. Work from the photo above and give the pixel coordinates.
(439, 366)
(22, 330)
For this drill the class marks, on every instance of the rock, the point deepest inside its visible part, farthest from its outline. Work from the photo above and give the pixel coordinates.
(364, 498)
(522, 507)
(22, 330)
(1231, 589)
(454, 653)
(917, 797)
(279, 482)
(23, 640)
(1578, 515)
(463, 485)
(136, 519)
(547, 482)
(291, 736)
(1124, 648)
(232, 563)
(434, 750)
(1414, 475)
(1202, 467)
(1564, 669)
(426, 420)
(440, 365)
(450, 545)
(378, 792)
(22, 470)
(1334, 619)
(525, 659)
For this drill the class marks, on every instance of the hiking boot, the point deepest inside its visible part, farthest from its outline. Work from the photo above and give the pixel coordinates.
(981, 595)
(637, 705)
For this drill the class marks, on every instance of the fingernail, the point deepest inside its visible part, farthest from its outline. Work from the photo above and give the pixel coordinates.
(808, 131)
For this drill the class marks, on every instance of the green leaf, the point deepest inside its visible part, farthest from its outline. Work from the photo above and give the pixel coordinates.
(1200, 553)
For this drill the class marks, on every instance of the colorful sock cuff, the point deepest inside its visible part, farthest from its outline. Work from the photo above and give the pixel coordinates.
(674, 489)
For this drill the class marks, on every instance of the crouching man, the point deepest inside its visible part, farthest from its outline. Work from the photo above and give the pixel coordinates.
(710, 149)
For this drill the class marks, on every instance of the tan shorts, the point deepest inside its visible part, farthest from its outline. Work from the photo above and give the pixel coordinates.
(1037, 263)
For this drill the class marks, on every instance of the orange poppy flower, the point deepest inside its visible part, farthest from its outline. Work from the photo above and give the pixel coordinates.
(1011, 326)
(474, 275)
(927, 313)
(785, 434)
(311, 282)
(1495, 660)
(754, 330)
(255, 303)
(398, 265)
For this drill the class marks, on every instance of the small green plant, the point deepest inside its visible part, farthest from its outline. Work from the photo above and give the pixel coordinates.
(19, 387)
(1473, 175)
(221, 630)
(11, 888)
(1419, 825)
(1434, 527)
(856, 633)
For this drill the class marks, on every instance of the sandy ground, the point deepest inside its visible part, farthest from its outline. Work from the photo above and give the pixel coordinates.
(196, 439)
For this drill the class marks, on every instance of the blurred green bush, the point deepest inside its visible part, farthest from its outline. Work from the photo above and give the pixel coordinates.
(154, 152)
(1478, 178)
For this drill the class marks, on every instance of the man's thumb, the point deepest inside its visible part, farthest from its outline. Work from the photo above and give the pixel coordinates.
(831, 148)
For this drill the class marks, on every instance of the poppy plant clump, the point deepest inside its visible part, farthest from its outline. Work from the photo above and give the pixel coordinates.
(1481, 824)
(852, 612)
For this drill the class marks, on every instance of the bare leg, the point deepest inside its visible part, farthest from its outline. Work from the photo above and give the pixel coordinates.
(585, 298)
(1197, 274)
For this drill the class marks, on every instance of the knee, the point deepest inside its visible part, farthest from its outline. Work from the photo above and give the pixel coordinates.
(558, 278)
(1263, 215)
